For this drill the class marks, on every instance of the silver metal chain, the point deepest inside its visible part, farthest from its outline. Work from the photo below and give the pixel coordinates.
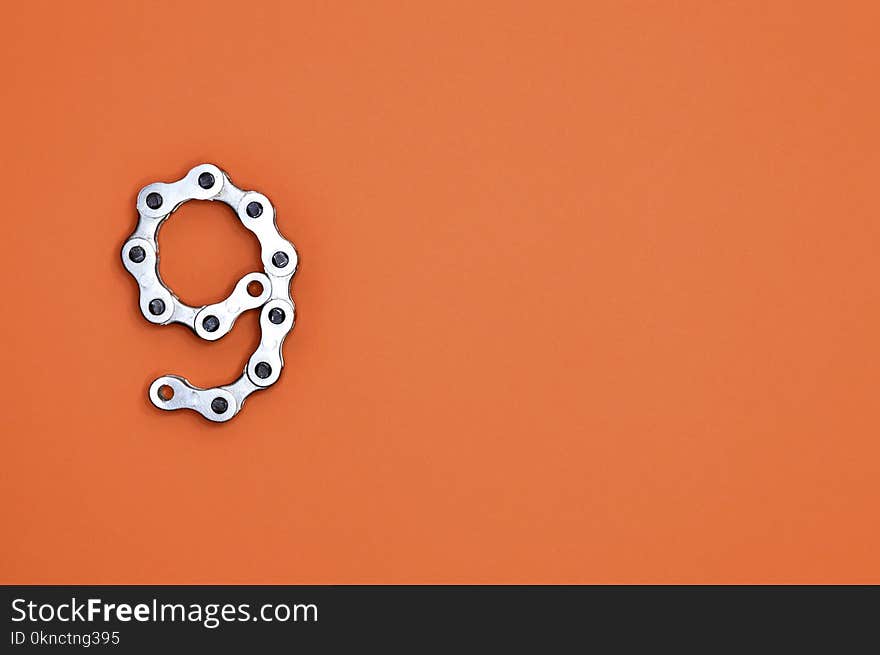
(140, 256)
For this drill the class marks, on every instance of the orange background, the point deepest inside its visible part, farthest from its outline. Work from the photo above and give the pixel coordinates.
(589, 292)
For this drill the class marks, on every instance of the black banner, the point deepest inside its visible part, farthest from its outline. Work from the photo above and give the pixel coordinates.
(124, 619)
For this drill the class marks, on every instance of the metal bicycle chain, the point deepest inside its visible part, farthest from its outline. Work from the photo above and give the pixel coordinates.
(140, 256)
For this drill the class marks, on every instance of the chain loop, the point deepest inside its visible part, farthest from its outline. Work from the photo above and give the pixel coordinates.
(159, 305)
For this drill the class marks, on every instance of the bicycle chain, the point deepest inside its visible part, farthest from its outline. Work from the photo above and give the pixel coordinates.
(140, 256)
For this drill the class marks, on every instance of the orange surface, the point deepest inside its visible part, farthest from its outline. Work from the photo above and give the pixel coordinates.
(589, 292)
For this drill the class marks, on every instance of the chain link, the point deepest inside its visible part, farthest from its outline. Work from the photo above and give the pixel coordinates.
(158, 304)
